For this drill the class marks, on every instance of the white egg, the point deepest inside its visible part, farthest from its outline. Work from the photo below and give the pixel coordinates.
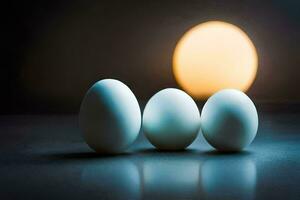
(171, 119)
(110, 117)
(229, 120)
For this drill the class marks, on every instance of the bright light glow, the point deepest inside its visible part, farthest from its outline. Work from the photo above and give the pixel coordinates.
(212, 56)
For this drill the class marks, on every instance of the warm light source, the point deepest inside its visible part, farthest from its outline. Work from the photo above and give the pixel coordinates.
(212, 56)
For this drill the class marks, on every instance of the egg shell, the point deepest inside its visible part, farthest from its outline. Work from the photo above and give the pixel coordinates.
(229, 120)
(109, 117)
(171, 119)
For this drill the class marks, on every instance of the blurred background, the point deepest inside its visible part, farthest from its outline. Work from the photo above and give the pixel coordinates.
(55, 50)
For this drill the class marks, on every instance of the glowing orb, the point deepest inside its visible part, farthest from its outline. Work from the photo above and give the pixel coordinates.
(213, 56)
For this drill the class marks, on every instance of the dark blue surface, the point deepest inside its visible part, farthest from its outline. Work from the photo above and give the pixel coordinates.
(44, 157)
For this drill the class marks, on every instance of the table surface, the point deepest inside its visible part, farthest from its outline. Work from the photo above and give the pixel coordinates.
(44, 157)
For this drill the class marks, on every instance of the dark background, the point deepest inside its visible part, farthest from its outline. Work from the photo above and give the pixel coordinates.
(55, 50)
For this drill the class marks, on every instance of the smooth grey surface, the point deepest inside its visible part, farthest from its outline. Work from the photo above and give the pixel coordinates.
(44, 157)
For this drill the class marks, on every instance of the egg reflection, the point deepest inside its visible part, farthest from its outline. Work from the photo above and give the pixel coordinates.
(172, 178)
(183, 175)
(112, 179)
(228, 178)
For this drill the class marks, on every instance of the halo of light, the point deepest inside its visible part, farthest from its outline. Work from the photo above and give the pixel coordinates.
(212, 56)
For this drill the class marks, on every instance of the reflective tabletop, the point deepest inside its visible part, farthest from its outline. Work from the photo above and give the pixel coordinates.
(44, 157)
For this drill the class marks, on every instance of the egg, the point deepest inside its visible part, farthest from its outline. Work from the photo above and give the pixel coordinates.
(171, 119)
(109, 117)
(229, 120)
